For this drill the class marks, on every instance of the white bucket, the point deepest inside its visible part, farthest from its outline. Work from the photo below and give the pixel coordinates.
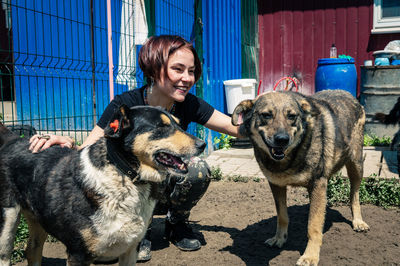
(237, 90)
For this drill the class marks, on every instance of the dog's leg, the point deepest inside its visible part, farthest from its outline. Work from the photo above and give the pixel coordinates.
(37, 237)
(78, 259)
(9, 218)
(281, 234)
(129, 257)
(354, 170)
(316, 219)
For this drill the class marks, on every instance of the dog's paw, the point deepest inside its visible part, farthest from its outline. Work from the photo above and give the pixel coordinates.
(307, 261)
(276, 241)
(360, 226)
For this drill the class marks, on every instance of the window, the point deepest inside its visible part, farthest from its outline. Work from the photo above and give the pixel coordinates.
(386, 16)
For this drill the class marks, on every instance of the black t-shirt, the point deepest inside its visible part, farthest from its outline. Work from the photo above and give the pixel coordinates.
(192, 109)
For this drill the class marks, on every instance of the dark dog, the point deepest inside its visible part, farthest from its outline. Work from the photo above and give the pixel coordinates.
(302, 141)
(97, 201)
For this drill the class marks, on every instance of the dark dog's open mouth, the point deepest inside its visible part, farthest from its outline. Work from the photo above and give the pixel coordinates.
(171, 161)
(278, 153)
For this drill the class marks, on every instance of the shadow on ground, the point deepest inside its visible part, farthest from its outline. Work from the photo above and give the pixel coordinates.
(248, 244)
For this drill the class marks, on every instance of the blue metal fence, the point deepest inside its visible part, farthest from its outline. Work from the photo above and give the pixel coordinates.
(60, 60)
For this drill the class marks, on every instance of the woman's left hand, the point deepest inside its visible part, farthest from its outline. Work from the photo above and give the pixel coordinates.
(42, 142)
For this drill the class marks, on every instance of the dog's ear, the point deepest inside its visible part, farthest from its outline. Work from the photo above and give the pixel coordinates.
(242, 115)
(307, 108)
(118, 122)
(240, 112)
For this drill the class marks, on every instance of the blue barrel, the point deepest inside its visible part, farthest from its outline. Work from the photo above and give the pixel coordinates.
(336, 74)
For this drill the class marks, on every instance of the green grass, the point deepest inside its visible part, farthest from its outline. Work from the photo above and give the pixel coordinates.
(21, 239)
(381, 192)
(373, 190)
(373, 140)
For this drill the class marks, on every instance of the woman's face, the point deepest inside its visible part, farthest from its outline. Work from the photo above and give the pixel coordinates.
(180, 75)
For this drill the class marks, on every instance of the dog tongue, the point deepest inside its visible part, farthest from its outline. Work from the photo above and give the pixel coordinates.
(171, 160)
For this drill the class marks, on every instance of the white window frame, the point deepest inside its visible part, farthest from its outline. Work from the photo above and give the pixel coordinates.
(384, 25)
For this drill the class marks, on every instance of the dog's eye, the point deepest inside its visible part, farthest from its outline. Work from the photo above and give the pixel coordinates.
(292, 116)
(267, 115)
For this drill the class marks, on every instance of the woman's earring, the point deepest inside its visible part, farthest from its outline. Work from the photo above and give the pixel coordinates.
(151, 86)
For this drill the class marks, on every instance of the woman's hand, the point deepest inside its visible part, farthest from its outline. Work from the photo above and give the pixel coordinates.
(42, 142)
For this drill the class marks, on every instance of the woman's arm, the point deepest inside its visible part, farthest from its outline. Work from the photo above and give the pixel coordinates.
(222, 123)
(42, 142)
(94, 135)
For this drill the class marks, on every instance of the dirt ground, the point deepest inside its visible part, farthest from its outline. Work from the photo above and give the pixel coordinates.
(236, 218)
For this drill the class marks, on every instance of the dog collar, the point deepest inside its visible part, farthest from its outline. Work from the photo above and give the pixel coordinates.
(117, 158)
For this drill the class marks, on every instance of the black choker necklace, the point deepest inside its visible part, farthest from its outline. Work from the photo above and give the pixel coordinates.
(146, 102)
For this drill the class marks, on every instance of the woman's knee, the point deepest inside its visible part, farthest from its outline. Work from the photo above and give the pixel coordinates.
(199, 173)
(194, 184)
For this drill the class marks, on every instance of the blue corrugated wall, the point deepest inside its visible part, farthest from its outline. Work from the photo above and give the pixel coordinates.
(222, 50)
(53, 72)
(176, 17)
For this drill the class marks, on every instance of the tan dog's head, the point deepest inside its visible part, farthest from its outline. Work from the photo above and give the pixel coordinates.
(275, 121)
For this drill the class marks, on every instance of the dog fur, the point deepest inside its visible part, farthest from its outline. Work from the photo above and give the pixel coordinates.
(303, 140)
(97, 201)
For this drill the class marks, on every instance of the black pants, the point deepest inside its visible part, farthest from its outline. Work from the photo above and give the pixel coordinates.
(183, 192)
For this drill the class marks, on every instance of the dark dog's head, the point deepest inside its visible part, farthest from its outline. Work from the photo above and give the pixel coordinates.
(274, 121)
(152, 140)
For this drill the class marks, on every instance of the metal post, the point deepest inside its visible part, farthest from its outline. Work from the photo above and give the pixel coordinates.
(110, 55)
(92, 63)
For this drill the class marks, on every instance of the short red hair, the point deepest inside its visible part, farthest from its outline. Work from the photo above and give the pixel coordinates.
(154, 55)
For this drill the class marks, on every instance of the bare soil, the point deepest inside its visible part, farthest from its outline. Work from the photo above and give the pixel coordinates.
(235, 219)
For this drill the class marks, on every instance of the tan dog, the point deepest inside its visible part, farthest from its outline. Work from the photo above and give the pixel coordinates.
(302, 141)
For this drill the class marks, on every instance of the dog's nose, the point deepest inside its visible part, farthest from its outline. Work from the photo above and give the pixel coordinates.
(281, 139)
(200, 145)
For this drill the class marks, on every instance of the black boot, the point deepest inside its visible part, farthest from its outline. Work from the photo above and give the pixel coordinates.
(182, 236)
(144, 253)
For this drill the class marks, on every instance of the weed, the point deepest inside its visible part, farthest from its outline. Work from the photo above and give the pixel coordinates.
(373, 140)
(216, 174)
(20, 241)
(223, 142)
(238, 178)
(378, 191)
(257, 179)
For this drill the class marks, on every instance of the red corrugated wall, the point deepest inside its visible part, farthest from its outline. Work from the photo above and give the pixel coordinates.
(294, 34)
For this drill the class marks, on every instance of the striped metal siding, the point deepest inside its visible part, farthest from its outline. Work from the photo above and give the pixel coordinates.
(176, 17)
(222, 48)
(295, 34)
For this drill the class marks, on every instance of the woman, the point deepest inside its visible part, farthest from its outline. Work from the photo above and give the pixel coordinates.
(171, 67)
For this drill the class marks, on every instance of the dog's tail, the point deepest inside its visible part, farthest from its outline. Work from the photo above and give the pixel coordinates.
(5, 134)
(392, 118)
